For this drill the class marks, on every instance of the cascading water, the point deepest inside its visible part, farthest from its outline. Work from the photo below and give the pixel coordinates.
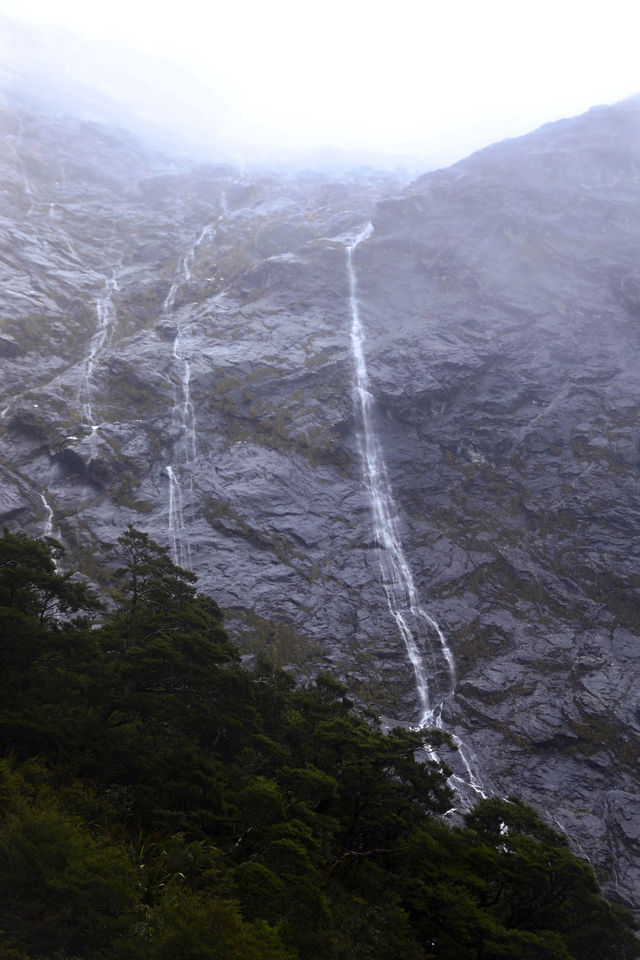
(430, 656)
(187, 263)
(48, 523)
(185, 447)
(179, 542)
(183, 409)
(185, 453)
(106, 314)
(48, 530)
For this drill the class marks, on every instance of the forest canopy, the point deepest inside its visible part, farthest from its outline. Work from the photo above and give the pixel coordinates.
(159, 801)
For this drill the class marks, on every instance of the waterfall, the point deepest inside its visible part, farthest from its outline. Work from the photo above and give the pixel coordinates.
(48, 523)
(180, 550)
(185, 447)
(185, 453)
(187, 264)
(424, 640)
(183, 409)
(106, 315)
(72, 250)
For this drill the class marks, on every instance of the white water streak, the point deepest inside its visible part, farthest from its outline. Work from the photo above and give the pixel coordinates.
(180, 549)
(30, 195)
(431, 659)
(186, 267)
(185, 448)
(48, 530)
(183, 409)
(72, 250)
(48, 523)
(106, 315)
(397, 578)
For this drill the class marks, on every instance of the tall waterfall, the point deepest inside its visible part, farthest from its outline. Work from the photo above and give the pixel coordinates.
(106, 315)
(48, 522)
(425, 643)
(184, 454)
(185, 447)
(180, 550)
(183, 409)
(48, 530)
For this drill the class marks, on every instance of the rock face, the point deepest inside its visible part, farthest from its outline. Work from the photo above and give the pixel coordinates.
(510, 397)
(175, 353)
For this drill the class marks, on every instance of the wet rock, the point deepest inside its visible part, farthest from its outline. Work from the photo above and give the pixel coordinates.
(14, 503)
(9, 347)
(499, 300)
(166, 330)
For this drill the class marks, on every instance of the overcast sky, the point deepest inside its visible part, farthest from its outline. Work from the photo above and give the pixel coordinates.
(404, 77)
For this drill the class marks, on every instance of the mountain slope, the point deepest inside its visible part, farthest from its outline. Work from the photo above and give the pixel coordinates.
(514, 285)
(176, 353)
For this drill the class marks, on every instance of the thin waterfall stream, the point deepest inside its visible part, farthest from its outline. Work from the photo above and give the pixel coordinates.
(184, 454)
(424, 640)
(48, 522)
(178, 539)
(106, 315)
(185, 447)
(48, 530)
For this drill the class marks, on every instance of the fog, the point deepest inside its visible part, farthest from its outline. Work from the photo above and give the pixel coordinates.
(409, 82)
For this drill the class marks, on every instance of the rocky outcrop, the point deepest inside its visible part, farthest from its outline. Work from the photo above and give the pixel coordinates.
(175, 353)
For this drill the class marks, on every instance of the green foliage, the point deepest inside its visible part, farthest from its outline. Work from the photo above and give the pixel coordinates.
(30, 584)
(158, 802)
(61, 889)
(278, 640)
(205, 928)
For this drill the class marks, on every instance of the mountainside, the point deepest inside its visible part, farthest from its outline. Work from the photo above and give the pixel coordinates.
(177, 353)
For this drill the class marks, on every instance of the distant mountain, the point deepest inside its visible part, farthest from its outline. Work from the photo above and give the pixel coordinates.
(176, 351)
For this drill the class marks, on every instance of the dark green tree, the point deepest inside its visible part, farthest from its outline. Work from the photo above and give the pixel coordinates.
(166, 804)
(31, 581)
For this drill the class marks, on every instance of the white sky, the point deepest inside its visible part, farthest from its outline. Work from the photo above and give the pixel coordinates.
(403, 76)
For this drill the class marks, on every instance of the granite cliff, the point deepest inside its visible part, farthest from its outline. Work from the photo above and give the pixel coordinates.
(175, 346)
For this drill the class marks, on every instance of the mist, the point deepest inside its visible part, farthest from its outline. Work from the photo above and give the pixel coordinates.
(404, 84)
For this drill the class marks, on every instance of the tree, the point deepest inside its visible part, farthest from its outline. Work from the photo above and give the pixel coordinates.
(30, 581)
(61, 889)
(151, 588)
(533, 884)
(44, 618)
(180, 806)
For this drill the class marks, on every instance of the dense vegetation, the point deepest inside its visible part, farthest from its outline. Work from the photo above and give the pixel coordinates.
(157, 800)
